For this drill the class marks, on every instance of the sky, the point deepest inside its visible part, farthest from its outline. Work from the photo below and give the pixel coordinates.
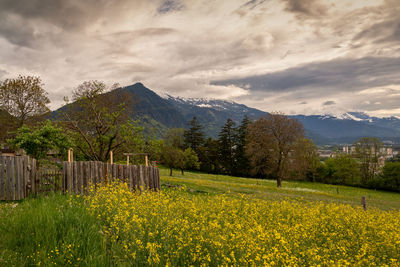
(293, 56)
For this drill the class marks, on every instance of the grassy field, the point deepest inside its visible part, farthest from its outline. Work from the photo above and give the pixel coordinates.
(200, 219)
(267, 189)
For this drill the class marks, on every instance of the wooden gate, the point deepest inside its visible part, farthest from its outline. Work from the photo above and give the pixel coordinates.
(49, 180)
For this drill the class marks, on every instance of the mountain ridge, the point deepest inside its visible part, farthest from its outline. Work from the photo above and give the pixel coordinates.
(163, 112)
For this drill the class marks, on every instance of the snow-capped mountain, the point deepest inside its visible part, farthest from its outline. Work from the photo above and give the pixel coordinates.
(160, 113)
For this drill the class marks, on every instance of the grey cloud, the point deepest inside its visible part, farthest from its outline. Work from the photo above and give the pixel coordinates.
(306, 8)
(387, 31)
(340, 75)
(329, 103)
(27, 22)
(169, 6)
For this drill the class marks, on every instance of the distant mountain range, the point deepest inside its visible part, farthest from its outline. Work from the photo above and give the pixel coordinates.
(160, 113)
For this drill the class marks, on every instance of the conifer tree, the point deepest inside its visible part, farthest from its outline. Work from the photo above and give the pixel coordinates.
(227, 146)
(242, 162)
(194, 136)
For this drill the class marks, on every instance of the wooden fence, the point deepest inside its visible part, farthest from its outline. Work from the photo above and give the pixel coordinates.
(17, 177)
(79, 174)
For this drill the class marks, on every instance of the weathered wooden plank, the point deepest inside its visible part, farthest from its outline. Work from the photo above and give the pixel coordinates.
(74, 177)
(134, 177)
(2, 178)
(130, 177)
(109, 172)
(8, 178)
(24, 176)
(18, 175)
(124, 173)
(158, 179)
(80, 177)
(142, 184)
(84, 176)
(70, 178)
(12, 177)
(16, 178)
(92, 174)
(22, 180)
(64, 177)
(114, 172)
(120, 172)
(146, 177)
(152, 178)
(32, 176)
(101, 172)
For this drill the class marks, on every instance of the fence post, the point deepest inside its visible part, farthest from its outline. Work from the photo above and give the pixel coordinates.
(364, 202)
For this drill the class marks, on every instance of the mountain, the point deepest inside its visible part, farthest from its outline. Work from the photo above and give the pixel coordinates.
(160, 113)
(345, 129)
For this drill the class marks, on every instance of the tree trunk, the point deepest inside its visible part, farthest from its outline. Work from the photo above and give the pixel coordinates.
(279, 181)
(182, 172)
(170, 171)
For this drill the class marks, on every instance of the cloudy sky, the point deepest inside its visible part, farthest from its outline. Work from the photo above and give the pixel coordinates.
(295, 56)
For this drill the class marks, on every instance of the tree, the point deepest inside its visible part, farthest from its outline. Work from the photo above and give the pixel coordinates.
(37, 141)
(24, 99)
(368, 152)
(194, 136)
(390, 178)
(187, 159)
(171, 157)
(242, 162)
(269, 141)
(227, 144)
(305, 160)
(342, 169)
(210, 162)
(175, 137)
(98, 118)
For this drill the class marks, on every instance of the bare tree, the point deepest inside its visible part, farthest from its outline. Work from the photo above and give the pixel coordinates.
(270, 139)
(368, 152)
(99, 119)
(24, 99)
(304, 160)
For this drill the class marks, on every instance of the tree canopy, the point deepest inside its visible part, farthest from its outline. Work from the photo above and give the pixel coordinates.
(24, 99)
(270, 139)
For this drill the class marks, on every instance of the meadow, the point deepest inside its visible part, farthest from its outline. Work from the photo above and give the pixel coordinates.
(204, 220)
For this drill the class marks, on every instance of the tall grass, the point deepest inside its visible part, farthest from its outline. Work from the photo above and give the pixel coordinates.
(48, 230)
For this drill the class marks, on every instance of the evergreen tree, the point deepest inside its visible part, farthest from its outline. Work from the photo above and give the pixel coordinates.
(210, 164)
(227, 144)
(242, 162)
(194, 136)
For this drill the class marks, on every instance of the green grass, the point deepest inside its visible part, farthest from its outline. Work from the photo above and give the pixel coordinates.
(54, 229)
(267, 189)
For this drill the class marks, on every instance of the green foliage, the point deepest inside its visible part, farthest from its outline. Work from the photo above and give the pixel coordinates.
(389, 179)
(342, 169)
(304, 160)
(24, 99)
(51, 230)
(227, 144)
(194, 136)
(242, 162)
(175, 137)
(99, 121)
(37, 141)
(368, 153)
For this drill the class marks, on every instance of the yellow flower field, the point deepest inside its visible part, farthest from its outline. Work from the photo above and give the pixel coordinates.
(175, 227)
